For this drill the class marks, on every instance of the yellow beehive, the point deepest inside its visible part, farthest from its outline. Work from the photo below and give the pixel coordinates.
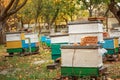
(116, 43)
(13, 44)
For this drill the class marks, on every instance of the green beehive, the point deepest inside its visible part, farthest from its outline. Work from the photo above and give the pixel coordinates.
(56, 41)
(56, 51)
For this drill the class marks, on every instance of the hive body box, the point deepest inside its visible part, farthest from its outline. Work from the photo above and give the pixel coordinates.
(80, 60)
(56, 41)
(76, 38)
(78, 30)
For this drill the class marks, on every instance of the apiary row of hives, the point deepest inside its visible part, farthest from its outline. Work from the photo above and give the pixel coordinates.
(19, 42)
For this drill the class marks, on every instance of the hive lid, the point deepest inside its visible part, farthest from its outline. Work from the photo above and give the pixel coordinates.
(70, 46)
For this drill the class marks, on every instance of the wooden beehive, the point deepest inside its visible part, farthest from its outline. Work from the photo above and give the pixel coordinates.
(78, 30)
(81, 56)
(13, 40)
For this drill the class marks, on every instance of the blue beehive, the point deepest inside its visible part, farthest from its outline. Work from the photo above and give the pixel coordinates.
(43, 38)
(108, 44)
(111, 44)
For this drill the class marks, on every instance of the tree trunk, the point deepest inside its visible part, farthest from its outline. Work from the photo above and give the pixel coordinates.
(90, 13)
(2, 34)
(39, 27)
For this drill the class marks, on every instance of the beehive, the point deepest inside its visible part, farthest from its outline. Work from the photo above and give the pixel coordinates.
(78, 30)
(79, 56)
(13, 40)
(56, 41)
(80, 60)
(112, 45)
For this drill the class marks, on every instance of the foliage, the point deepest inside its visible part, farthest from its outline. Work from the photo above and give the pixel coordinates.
(50, 11)
(69, 10)
(27, 12)
(91, 5)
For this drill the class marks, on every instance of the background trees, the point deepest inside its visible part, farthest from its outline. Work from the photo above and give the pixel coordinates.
(8, 8)
(50, 12)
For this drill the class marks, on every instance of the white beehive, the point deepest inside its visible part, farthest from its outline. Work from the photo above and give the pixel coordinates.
(78, 30)
(76, 56)
(59, 38)
(85, 27)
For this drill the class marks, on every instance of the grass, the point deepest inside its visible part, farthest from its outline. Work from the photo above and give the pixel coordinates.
(22, 68)
(2, 48)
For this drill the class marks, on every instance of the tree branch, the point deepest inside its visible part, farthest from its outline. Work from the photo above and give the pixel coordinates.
(55, 16)
(8, 7)
(17, 9)
(15, 5)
